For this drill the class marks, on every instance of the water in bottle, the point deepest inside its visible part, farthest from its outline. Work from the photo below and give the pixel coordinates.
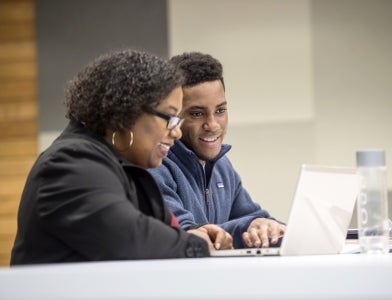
(372, 204)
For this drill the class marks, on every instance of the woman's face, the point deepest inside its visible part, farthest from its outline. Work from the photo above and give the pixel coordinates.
(151, 137)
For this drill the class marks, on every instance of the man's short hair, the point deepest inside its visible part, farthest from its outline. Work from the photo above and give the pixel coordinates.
(197, 67)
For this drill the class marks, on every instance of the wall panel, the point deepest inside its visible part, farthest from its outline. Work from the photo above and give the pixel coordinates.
(18, 112)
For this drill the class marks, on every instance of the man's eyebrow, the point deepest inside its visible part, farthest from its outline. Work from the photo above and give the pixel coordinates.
(222, 104)
(204, 107)
(197, 107)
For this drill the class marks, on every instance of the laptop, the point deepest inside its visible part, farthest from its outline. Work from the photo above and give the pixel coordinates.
(319, 217)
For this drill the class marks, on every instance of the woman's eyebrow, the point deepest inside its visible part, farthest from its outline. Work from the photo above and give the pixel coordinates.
(173, 109)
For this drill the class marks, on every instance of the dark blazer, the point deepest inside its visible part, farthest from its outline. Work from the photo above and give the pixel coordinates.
(83, 202)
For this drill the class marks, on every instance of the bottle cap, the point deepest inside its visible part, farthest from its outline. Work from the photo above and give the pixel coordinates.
(371, 158)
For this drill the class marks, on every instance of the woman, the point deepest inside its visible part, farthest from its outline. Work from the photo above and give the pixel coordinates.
(88, 197)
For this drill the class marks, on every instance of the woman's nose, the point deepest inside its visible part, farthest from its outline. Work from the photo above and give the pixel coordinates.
(176, 133)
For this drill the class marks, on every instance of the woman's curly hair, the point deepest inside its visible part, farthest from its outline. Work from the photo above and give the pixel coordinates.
(116, 88)
(197, 67)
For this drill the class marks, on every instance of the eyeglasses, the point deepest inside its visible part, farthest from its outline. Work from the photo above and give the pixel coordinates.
(172, 121)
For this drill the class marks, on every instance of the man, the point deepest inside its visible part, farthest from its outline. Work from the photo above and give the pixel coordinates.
(198, 182)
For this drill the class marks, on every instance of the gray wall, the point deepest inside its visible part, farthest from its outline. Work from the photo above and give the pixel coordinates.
(71, 32)
(308, 81)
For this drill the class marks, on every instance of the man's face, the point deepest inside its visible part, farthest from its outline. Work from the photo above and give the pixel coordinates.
(206, 118)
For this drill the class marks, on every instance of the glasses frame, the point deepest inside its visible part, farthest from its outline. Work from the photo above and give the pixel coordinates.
(172, 121)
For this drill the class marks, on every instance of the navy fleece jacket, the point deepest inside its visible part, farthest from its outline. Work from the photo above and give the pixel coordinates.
(197, 200)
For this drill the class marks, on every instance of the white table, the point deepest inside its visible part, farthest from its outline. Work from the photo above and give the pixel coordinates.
(344, 276)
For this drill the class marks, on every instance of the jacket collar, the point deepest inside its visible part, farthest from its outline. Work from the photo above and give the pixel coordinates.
(181, 150)
(78, 130)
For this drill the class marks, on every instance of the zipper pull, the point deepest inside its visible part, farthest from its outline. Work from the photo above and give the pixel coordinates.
(207, 193)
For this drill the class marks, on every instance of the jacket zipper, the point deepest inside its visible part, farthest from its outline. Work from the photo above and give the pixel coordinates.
(206, 191)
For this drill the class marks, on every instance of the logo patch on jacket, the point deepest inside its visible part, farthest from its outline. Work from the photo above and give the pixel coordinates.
(220, 185)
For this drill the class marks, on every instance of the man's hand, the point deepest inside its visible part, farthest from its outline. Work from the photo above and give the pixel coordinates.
(220, 238)
(261, 230)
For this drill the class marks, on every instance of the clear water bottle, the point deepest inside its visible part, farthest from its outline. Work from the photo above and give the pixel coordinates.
(372, 204)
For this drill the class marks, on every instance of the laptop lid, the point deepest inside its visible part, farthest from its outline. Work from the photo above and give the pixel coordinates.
(320, 213)
(321, 210)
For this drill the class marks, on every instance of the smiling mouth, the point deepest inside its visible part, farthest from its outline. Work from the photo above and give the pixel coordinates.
(209, 139)
(164, 149)
(165, 146)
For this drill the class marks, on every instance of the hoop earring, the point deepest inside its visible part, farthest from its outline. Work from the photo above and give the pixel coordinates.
(130, 140)
(113, 136)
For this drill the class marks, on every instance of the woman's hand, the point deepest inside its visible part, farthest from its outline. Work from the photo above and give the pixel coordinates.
(202, 233)
(220, 238)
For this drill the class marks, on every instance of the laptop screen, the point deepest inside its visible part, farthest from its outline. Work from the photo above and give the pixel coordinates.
(321, 210)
